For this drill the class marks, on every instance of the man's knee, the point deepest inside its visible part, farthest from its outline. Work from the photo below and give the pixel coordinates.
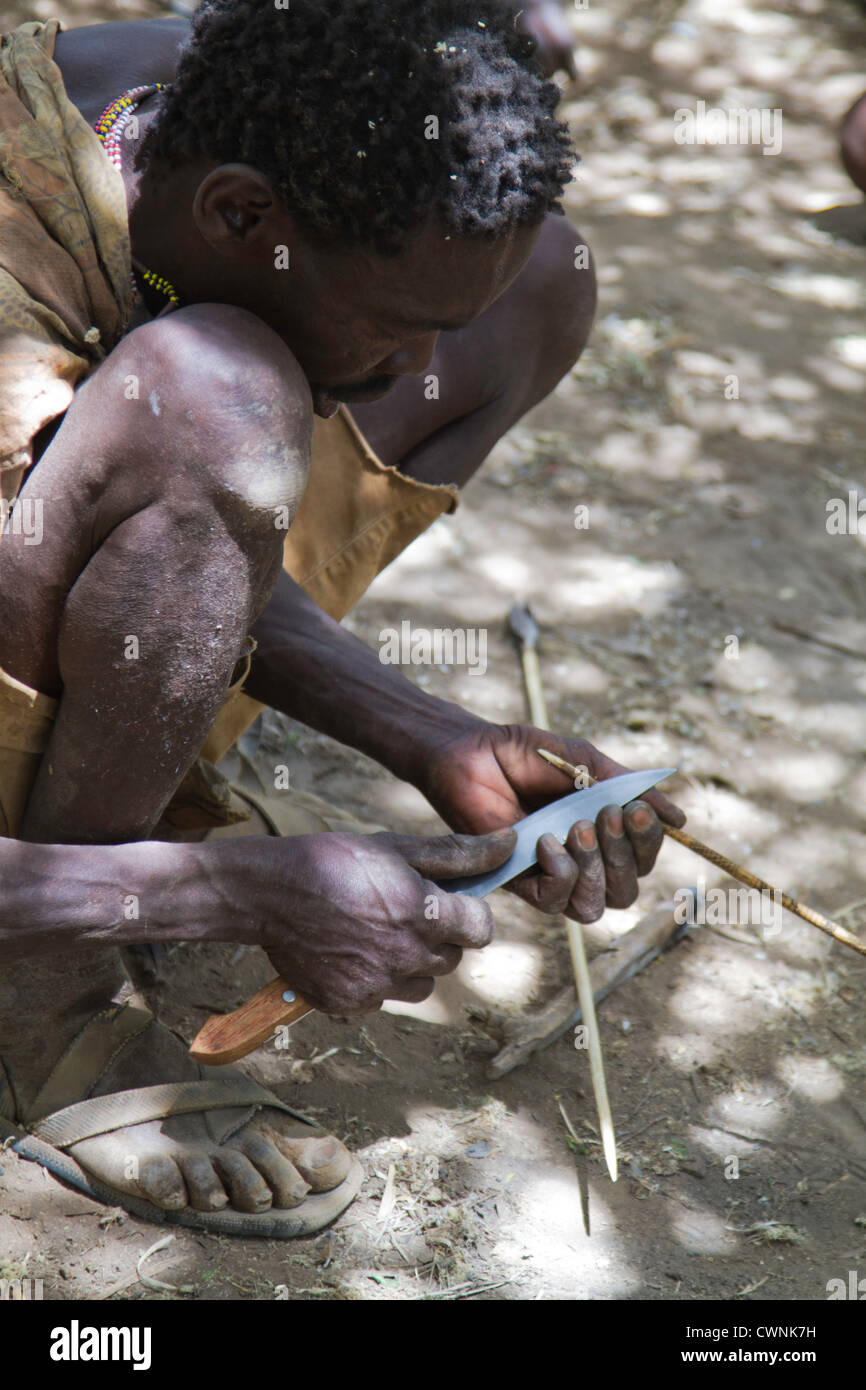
(210, 405)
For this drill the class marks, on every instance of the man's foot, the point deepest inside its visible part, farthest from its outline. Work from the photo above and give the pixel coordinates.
(270, 1162)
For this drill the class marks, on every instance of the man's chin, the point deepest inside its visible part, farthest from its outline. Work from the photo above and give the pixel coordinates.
(327, 399)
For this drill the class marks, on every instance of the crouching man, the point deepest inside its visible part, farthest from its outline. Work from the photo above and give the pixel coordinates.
(280, 213)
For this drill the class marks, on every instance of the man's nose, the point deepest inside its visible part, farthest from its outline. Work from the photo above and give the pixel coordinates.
(411, 359)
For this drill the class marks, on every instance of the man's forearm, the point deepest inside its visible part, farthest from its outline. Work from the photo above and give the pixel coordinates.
(311, 668)
(55, 897)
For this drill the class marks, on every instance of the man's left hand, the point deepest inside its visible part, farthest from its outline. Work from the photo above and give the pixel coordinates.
(491, 775)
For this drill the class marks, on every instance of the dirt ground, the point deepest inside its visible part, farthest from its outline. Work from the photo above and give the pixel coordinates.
(716, 413)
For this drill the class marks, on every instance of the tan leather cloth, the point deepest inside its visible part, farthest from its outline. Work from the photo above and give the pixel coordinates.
(65, 287)
(26, 718)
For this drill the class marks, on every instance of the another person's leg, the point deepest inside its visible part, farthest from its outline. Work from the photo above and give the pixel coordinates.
(159, 493)
(853, 143)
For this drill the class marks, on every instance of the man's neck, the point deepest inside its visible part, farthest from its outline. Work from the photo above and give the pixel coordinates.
(150, 231)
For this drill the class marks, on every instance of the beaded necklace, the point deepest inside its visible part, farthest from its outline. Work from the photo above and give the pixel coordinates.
(110, 127)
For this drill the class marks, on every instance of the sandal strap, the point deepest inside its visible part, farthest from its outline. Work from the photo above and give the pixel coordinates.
(103, 1114)
(88, 1057)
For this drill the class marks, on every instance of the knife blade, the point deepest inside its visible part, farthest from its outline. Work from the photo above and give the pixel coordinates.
(557, 818)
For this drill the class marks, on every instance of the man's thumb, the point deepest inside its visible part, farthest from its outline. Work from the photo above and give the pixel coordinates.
(456, 856)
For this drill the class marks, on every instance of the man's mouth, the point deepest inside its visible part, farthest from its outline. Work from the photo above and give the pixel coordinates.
(326, 399)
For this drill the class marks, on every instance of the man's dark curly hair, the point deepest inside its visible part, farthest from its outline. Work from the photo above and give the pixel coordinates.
(330, 100)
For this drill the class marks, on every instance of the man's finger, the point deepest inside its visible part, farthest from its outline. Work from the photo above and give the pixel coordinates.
(455, 919)
(620, 870)
(665, 809)
(446, 959)
(452, 856)
(549, 887)
(413, 989)
(587, 899)
(645, 833)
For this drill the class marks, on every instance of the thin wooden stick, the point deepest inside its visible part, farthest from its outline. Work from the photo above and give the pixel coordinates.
(585, 994)
(808, 914)
(593, 1037)
(534, 689)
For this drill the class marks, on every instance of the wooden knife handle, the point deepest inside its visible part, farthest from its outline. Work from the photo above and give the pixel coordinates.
(226, 1037)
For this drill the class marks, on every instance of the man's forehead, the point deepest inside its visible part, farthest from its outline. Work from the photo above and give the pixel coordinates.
(425, 305)
(443, 281)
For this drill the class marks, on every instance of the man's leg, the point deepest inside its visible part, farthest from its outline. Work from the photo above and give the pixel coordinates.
(492, 372)
(160, 548)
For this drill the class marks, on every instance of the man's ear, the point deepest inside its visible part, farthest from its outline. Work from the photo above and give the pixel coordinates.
(231, 205)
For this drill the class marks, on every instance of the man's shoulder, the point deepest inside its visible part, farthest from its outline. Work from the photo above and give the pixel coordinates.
(98, 61)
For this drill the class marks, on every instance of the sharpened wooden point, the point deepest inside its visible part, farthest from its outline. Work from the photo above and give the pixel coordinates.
(586, 998)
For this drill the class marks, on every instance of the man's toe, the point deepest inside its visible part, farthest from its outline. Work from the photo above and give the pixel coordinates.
(206, 1192)
(323, 1162)
(283, 1178)
(246, 1187)
(162, 1183)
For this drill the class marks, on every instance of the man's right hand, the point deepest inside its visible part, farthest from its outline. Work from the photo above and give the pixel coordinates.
(351, 920)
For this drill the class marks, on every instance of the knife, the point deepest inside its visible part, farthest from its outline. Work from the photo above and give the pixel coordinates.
(226, 1037)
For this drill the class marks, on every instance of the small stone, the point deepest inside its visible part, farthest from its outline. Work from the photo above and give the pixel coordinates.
(639, 719)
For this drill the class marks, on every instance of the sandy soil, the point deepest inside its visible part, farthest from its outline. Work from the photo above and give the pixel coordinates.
(713, 418)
